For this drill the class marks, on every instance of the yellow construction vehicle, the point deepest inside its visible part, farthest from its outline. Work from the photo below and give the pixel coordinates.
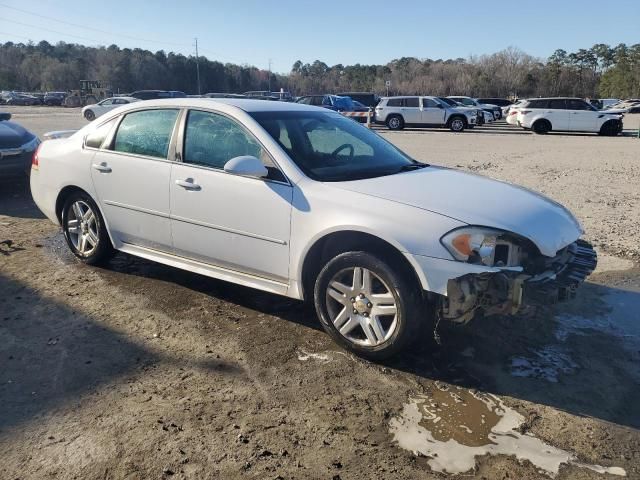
(91, 91)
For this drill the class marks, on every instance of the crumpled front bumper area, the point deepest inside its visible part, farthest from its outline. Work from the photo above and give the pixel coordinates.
(507, 292)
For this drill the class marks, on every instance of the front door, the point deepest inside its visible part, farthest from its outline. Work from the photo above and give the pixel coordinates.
(582, 118)
(432, 113)
(231, 221)
(131, 177)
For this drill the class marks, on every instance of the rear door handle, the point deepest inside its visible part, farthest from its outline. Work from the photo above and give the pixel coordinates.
(102, 167)
(188, 184)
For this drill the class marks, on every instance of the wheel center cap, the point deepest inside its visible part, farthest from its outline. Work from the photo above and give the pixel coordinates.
(362, 305)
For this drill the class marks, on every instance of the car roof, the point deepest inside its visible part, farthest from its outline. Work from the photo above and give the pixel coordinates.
(248, 105)
(125, 98)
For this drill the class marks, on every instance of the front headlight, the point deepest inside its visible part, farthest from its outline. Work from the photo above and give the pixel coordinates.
(472, 244)
(31, 145)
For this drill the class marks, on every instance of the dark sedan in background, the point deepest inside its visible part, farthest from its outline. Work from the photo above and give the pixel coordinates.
(17, 145)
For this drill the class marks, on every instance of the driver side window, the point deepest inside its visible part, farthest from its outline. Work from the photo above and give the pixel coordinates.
(211, 140)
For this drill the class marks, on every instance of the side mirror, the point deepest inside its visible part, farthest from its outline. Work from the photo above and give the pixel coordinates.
(5, 116)
(246, 165)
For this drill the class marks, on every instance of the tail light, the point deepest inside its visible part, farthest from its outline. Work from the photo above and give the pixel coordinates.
(35, 161)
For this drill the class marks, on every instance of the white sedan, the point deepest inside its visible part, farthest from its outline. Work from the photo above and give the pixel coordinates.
(303, 202)
(91, 112)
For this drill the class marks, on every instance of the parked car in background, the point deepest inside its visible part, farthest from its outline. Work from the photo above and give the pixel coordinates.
(332, 102)
(366, 98)
(91, 112)
(511, 114)
(223, 95)
(268, 95)
(495, 110)
(625, 106)
(177, 94)
(54, 98)
(302, 202)
(17, 145)
(543, 115)
(15, 98)
(150, 94)
(501, 102)
(399, 112)
(480, 120)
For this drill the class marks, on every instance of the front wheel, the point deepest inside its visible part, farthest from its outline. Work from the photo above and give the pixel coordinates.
(84, 229)
(367, 306)
(457, 124)
(89, 115)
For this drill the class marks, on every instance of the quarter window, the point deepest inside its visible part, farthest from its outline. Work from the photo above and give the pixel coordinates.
(394, 102)
(146, 133)
(211, 140)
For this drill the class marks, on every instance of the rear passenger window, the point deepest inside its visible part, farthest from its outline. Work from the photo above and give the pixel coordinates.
(146, 133)
(394, 102)
(558, 104)
(412, 102)
(96, 138)
(539, 104)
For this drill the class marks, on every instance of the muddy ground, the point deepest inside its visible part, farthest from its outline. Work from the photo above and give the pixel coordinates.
(138, 370)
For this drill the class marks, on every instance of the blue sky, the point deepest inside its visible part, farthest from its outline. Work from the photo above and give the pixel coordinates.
(347, 32)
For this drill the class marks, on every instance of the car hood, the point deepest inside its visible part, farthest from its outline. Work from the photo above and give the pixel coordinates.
(477, 200)
(13, 135)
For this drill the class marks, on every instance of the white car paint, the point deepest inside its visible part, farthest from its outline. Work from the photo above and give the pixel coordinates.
(107, 105)
(257, 232)
(566, 119)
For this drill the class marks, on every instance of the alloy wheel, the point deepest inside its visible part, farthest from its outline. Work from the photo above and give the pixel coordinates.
(82, 228)
(361, 306)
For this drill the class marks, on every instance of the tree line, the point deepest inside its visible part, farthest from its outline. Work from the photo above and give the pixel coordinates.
(600, 71)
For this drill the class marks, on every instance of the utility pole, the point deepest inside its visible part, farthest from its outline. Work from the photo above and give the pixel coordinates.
(269, 74)
(197, 66)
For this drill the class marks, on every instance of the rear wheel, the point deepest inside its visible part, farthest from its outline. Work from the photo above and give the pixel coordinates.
(84, 229)
(89, 115)
(395, 122)
(367, 306)
(541, 127)
(457, 124)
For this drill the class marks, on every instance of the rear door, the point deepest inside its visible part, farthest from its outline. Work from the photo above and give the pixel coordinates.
(411, 110)
(582, 117)
(557, 113)
(432, 114)
(131, 175)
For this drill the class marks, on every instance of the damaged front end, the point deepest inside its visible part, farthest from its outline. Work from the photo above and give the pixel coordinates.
(536, 281)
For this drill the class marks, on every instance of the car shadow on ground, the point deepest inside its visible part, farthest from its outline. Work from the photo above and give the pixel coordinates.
(52, 354)
(588, 373)
(15, 198)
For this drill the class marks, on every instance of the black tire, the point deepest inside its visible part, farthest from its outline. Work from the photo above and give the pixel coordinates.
(541, 127)
(457, 124)
(406, 296)
(610, 128)
(103, 250)
(89, 115)
(395, 122)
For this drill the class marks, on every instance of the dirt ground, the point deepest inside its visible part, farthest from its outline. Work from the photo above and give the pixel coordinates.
(137, 370)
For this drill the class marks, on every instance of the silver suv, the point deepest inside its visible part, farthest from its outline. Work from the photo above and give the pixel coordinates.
(398, 112)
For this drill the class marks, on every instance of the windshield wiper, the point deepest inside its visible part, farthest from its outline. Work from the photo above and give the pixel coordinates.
(411, 166)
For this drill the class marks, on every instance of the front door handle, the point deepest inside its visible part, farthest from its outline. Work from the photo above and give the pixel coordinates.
(102, 167)
(188, 184)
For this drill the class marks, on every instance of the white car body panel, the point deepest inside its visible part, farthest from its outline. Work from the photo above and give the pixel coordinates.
(257, 233)
(565, 120)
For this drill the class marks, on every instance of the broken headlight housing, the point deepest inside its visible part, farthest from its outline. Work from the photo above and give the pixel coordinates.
(482, 246)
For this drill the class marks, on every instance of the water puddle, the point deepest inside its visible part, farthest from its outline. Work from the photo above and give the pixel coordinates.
(320, 357)
(451, 426)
